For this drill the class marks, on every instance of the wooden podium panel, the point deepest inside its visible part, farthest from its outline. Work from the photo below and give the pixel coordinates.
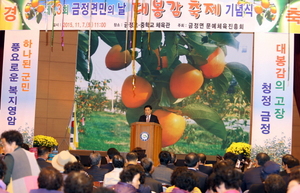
(148, 137)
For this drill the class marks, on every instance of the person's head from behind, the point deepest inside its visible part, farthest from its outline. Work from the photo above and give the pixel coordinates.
(231, 156)
(11, 140)
(25, 146)
(262, 158)
(147, 164)
(164, 157)
(289, 161)
(132, 157)
(77, 182)
(140, 152)
(183, 178)
(275, 184)
(43, 152)
(50, 179)
(227, 178)
(95, 158)
(191, 160)
(2, 169)
(131, 175)
(173, 159)
(73, 167)
(202, 158)
(148, 109)
(223, 164)
(118, 161)
(269, 167)
(111, 152)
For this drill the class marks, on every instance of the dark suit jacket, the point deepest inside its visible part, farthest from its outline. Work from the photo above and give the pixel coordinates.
(171, 166)
(155, 185)
(43, 163)
(251, 176)
(201, 180)
(97, 173)
(108, 166)
(153, 118)
(205, 169)
(257, 188)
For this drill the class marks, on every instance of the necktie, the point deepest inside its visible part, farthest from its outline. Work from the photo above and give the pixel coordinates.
(148, 118)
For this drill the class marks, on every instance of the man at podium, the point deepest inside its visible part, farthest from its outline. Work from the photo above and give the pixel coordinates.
(148, 117)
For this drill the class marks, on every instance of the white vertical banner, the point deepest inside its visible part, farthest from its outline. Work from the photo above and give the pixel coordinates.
(272, 94)
(19, 82)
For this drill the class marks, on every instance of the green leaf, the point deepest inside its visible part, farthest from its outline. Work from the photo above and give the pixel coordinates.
(259, 19)
(39, 16)
(121, 38)
(155, 39)
(207, 118)
(94, 42)
(170, 48)
(224, 38)
(82, 65)
(132, 115)
(243, 76)
(83, 42)
(221, 83)
(109, 37)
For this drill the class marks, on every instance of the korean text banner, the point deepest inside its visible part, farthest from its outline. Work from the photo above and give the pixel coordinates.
(273, 94)
(19, 79)
(189, 15)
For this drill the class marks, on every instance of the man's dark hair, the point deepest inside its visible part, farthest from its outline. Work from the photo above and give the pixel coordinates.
(173, 157)
(140, 152)
(275, 184)
(183, 178)
(118, 161)
(130, 171)
(148, 106)
(25, 146)
(13, 136)
(285, 158)
(50, 178)
(229, 176)
(95, 158)
(191, 159)
(202, 157)
(262, 158)
(231, 156)
(73, 167)
(111, 152)
(42, 150)
(78, 182)
(164, 157)
(147, 164)
(131, 156)
(290, 161)
(2, 169)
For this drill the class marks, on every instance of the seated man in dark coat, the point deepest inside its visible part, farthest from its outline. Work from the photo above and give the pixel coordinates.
(288, 162)
(95, 170)
(148, 117)
(202, 167)
(43, 153)
(155, 185)
(111, 152)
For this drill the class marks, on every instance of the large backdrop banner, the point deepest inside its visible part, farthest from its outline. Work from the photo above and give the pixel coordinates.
(209, 15)
(19, 80)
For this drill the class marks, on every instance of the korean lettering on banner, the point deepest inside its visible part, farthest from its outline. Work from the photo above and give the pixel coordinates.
(265, 115)
(10, 13)
(97, 8)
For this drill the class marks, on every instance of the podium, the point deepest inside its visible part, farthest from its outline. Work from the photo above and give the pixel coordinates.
(148, 137)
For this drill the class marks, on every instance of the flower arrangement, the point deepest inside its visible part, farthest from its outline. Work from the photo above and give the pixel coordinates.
(240, 148)
(42, 140)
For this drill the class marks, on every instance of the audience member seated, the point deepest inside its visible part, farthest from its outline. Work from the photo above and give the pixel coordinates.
(275, 184)
(140, 152)
(231, 156)
(50, 180)
(78, 182)
(73, 167)
(95, 170)
(61, 159)
(173, 161)
(226, 179)
(288, 162)
(252, 176)
(21, 164)
(154, 185)
(183, 180)
(129, 180)
(43, 153)
(111, 152)
(202, 167)
(113, 177)
(2, 172)
(162, 173)
(269, 167)
(192, 162)
(294, 177)
(132, 158)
